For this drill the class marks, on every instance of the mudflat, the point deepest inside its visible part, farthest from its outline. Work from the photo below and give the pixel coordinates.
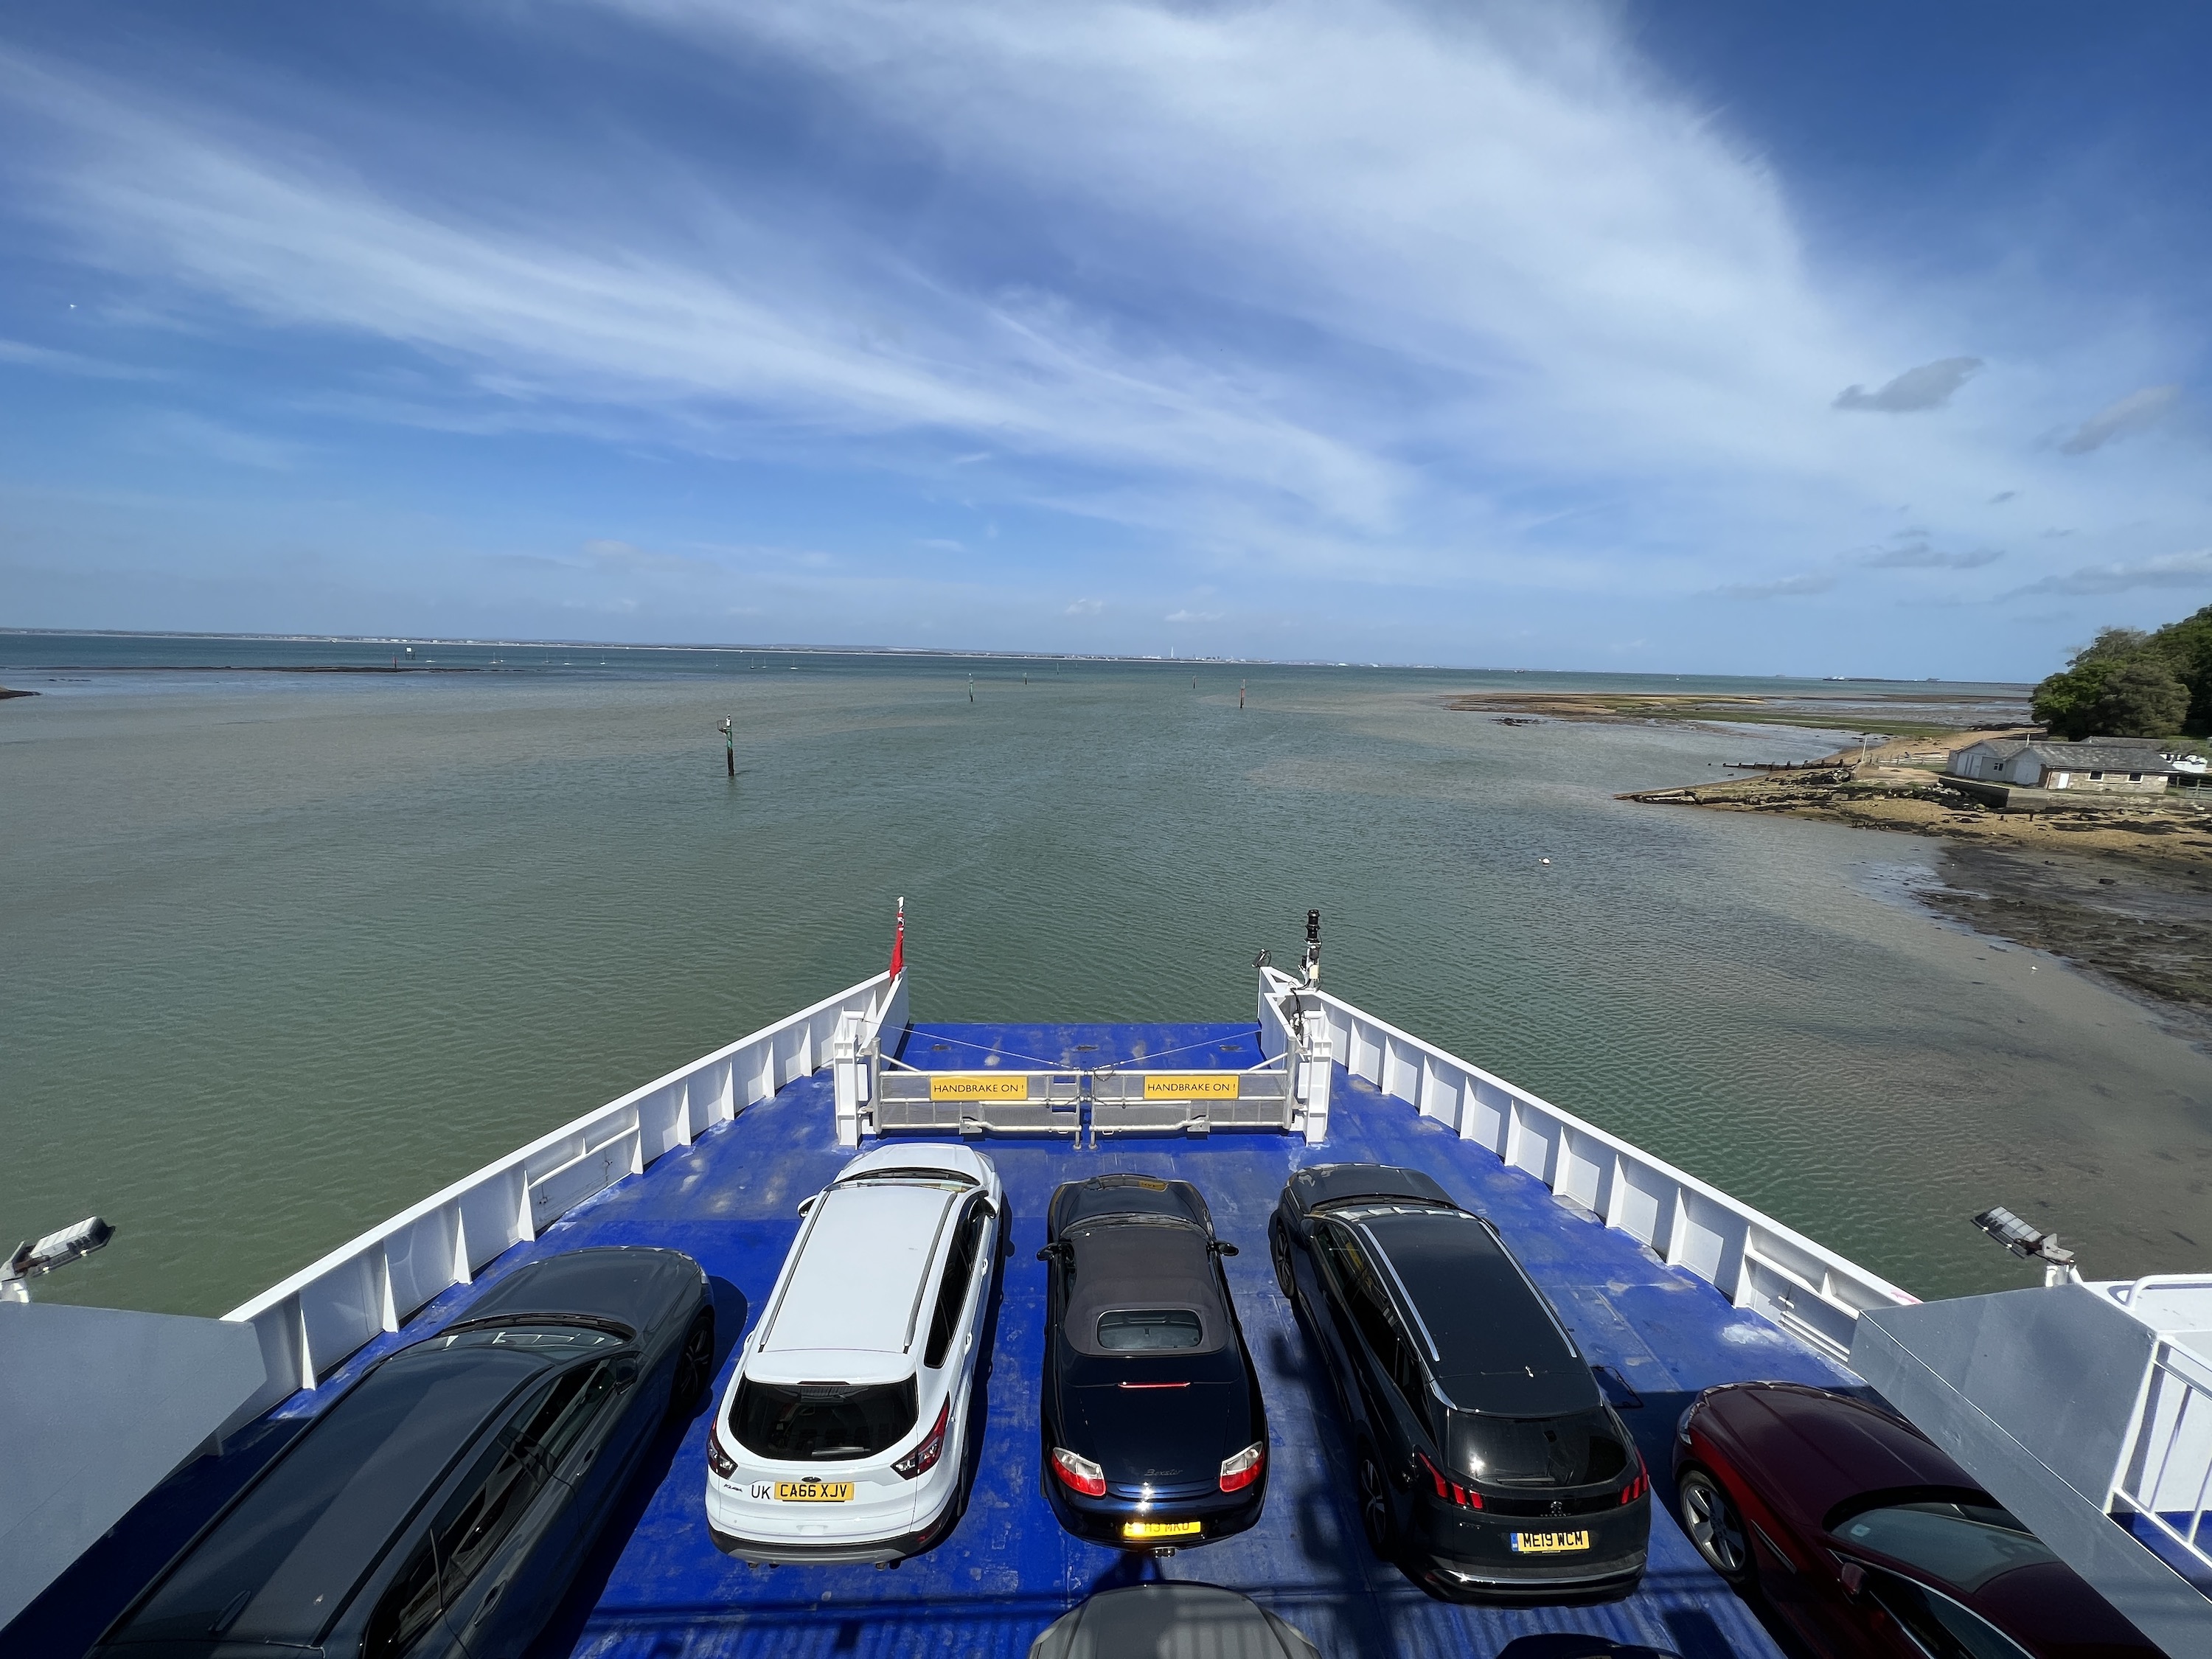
(2120, 885)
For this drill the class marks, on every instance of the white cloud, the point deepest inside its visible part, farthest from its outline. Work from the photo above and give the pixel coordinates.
(2138, 411)
(1189, 616)
(1455, 298)
(2190, 570)
(1087, 608)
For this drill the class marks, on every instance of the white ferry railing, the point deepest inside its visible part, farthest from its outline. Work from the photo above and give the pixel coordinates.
(2164, 1473)
(327, 1311)
(1752, 1259)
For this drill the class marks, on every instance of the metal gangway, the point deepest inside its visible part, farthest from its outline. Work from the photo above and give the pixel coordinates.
(1286, 1092)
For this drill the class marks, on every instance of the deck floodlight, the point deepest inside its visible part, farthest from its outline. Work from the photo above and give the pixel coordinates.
(54, 1250)
(1313, 947)
(2029, 1244)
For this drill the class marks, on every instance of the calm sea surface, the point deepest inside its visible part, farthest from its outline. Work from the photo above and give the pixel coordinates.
(284, 952)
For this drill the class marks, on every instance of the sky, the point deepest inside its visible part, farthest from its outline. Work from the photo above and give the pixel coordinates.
(1704, 336)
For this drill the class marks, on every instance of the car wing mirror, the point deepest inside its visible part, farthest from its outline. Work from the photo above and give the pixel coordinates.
(1223, 1246)
(1053, 1253)
(1854, 1579)
(806, 1204)
(625, 1371)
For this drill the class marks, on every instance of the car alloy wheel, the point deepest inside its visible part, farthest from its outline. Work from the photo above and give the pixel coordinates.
(1714, 1526)
(695, 1365)
(1279, 1248)
(1375, 1507)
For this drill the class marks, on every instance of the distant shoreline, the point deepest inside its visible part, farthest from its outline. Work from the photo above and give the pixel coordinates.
(265, 668)
(956, 654)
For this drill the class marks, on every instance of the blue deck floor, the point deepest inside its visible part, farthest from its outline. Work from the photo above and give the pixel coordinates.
(658, 1587)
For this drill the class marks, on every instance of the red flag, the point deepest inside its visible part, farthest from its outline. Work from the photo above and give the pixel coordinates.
(898, 943)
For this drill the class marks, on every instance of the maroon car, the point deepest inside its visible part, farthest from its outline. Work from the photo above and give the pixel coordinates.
(1856, 1530)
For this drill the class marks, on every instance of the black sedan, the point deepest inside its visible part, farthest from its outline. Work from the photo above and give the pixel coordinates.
(443, 1503)
(1154, 1435)
(1490, 1466)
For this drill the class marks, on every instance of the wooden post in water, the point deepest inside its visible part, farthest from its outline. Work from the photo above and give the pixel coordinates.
(730, 746)
(971, 688)
(1240, 694)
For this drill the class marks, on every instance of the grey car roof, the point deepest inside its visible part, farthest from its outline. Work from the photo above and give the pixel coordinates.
(1142, 1264)
(1336, 1183)
(1171, 1621)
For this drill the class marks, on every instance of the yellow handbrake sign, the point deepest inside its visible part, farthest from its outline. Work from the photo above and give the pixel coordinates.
(1190, 1086)
(978, 1085)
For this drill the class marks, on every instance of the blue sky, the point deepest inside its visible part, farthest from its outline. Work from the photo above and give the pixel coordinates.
(1722, 337)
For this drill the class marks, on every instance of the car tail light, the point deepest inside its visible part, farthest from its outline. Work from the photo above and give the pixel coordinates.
(1450, 1490)
(1636, 1488)
(1078, 1474)
(923, 1458)
(719, 1461)
(1242, 1470)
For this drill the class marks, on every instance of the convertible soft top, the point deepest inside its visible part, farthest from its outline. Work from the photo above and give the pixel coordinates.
(1142, 1265)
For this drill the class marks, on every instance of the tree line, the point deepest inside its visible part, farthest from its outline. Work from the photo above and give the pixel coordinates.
(2128, 682)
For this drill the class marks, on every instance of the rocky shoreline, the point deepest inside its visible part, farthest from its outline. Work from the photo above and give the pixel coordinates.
(2120, 887)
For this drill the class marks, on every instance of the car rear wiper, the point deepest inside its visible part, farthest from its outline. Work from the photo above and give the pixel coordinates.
(590, 1321)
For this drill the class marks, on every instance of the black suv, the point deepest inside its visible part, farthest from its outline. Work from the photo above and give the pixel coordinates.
(1490, 1465)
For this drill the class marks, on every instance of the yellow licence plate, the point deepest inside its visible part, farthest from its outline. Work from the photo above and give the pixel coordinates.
(1159, 1529)
(813, 1491)
(1550, 1543)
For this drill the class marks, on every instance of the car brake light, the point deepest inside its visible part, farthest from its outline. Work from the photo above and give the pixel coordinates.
(923, 1458)
(719, 1461)
(1079, 1473)
(1450, 1490)
(1636, 1488)
(1242, 1470)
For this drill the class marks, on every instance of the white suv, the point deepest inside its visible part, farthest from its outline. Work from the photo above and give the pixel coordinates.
(844, 1435)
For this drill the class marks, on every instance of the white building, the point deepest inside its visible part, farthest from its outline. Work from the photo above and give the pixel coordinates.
(2122, 765)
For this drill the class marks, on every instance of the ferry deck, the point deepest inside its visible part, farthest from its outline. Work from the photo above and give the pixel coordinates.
(657, 1588)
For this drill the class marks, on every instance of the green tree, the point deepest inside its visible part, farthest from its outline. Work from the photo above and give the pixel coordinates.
(2066, 703)
(2128, 683)
(2141, 698)
(2186, 645)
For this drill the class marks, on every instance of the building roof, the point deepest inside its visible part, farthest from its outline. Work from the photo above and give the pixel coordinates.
(2090, 754)
(2103, 755)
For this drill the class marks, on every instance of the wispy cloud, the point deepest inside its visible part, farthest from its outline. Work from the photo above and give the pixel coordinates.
(57, 362)
(2190, 571)
(1784, 587)
(1336, 296)
(1188, 615)
(2138, 411)
(1929, 387)
(179, 432)
(1919, 556)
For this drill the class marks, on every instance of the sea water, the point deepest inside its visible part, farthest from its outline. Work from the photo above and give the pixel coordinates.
(285, 952)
